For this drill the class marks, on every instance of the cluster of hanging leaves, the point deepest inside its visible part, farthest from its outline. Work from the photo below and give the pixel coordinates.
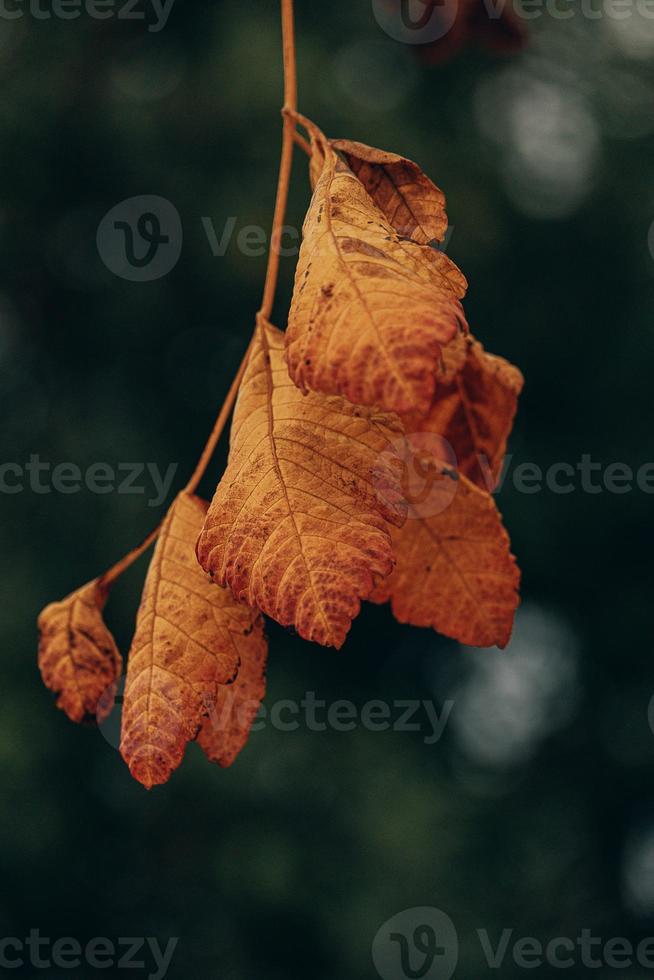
(365, 444)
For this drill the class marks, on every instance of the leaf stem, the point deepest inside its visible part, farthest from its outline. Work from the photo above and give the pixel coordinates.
(289, 138)
(106, 581)
(302, 143)
(312, 129)
(219, 424)
(272, 270)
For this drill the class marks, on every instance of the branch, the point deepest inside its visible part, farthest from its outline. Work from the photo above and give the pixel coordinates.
(290, 136)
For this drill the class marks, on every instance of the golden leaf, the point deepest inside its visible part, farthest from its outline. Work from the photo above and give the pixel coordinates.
(225, 731)
(297, 526)
(78, 656)
(473, 410)
(412, 203)
(371, 311)
(454, 571)
(188, 641)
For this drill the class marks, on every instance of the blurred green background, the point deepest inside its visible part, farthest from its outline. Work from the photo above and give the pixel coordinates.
(535, 811)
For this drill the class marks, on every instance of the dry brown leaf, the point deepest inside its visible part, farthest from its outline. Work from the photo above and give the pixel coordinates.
(78, 656)
(454, 357)
(188, 640)
(454, 571)
(226, 730)
(412, 203)
(297, 526)
(316, 162)
(473, 410)
(371, 311)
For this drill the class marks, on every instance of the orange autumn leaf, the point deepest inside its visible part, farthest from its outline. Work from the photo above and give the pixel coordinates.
(412, 203)
(455, 571)
(473, 410)
(371, 311)
(189, 638)
(78, 656)
(227, 728)
(297, 525)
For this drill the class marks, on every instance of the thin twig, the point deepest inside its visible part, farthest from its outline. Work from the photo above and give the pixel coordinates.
(219, 424)
(302, 143)
(289, 110)
(272, 271)
(105, 581)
